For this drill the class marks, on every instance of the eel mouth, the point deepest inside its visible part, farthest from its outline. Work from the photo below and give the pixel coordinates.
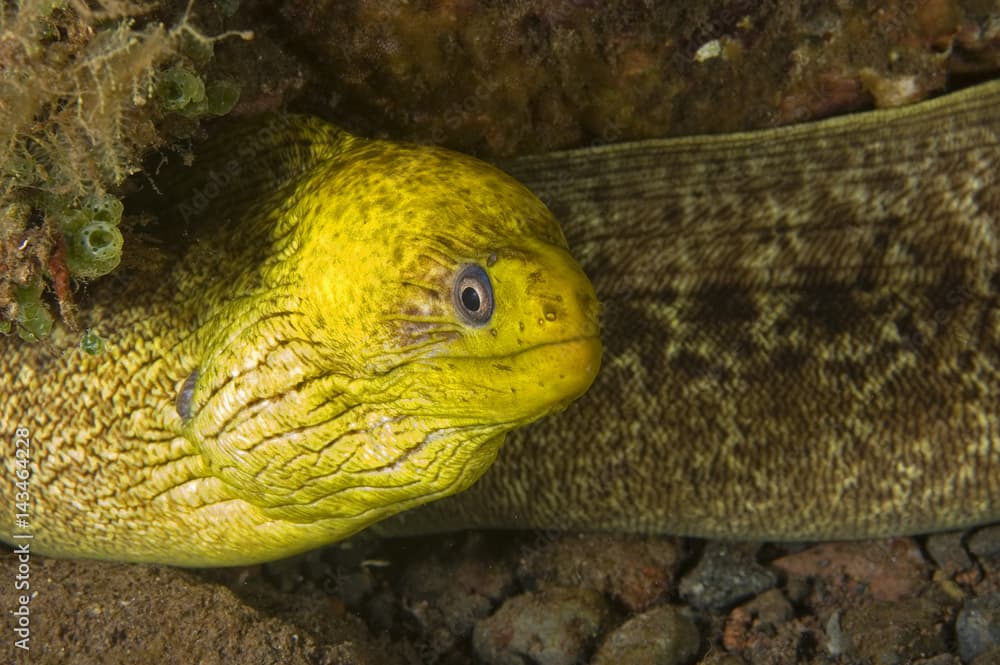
(576, 364)
(511, 390)
(575, 360)
(546, 377)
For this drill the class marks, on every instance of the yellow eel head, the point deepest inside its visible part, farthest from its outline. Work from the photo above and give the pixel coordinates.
(414, 306)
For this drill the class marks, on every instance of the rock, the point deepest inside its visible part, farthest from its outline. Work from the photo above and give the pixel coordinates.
(498, 78)
(769, 610)
(942, 659)
(766, 630)
(837, 642)
(661, 636)
(797, 589)
(891, 633)
(753, 623)
(719, 657)
(985, 542)
(636, 571)
(888, 569)
(379, 611)
(554, 626)
(948, 552)
(984, 545)
(978, 626)
(991, 657)
(446, 596)
(725, 575)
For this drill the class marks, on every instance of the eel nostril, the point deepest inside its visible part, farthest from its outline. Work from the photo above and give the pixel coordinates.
(185, 394)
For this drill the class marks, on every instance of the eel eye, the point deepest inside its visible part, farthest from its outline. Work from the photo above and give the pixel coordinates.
(473, 295)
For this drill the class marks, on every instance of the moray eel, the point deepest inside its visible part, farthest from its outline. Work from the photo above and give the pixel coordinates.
(801, 335)
(356, 341)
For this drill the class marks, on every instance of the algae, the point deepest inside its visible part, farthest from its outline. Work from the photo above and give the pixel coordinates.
(78, 111)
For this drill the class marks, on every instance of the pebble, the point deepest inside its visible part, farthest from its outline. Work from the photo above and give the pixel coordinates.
(635, 571)
(941, 659)
(991, 657)
(888, 569)
(837, 642)
(985, 542)
(553, 626)
(719, 657)
(984, 545)
(447, 596)
(890, 633)
(978, 626)
(661, 636)
(769, 610)
(447, 593)
(725, 575)
(948, 552)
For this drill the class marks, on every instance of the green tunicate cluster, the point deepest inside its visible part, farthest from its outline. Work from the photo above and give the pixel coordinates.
(34, 322)
(227, 7)
(92, 343)
(179, 88)
(221, 96)
(182, 91)
(93, 241)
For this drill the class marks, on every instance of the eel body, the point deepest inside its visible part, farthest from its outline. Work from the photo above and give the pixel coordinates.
(801, 334)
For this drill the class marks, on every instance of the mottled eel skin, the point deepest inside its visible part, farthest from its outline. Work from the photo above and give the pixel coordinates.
(801, 328)
(802, 340)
